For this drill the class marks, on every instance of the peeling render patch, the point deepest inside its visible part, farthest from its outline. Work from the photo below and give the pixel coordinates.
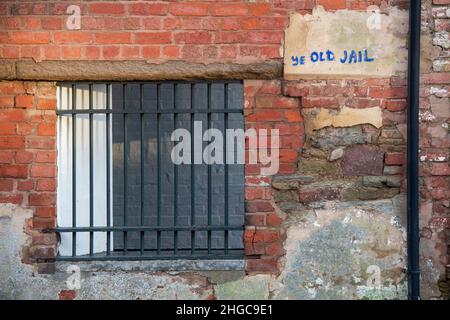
(345, 117)
(381, 37)
(332, 250)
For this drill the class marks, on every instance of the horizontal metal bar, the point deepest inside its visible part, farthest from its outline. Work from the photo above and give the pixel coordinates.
(155, 257)
(144, 228)
(156, 111)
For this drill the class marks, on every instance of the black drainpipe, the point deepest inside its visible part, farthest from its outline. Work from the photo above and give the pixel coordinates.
(413, 151)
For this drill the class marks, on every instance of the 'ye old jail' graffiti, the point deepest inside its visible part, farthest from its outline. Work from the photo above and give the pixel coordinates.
(345, 57)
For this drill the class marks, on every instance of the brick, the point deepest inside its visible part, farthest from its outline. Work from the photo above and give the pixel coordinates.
(11, 142)
(6, 102)
(258, 206)
(107, 8)
(46, 129)
(46, 185)
(77, 37)
(273, 220)
(42, 252)
(39, 238)
(171, 51)
(151, 51)
(225, 9)
(260, 9)
(288, 155)
(91, 52)
(6, 185)
(7, 128)
(46, 104)
(320, 102)
(153, 37)
(14, 171)
(111, 52)
(250, 24)
(45, 212)
(265, 37)
(255, 219)
(42, 199)
(257, 193)
(12, 115)
(52, 52)
(229, 52)
(188, 9)
(6, 156)
(333, 4)
(24, 37)
(24, 101)
(395, 158)
(32, 23)
(40, 143)
(151, 23)
(254, 249)
(25, 129)
(440, 169)
(11, 198)
(362, 160)
(43, 223)
(193, 37)
(229, 37)
(52, 23)
(148, 9)
(133, 23)
(25, 185)
(113, 37)
(274, 249)
(293, 116)
(71, 52)
(67, 295)
(129, 52)
(271, 115)
(395, 105)
(24, 156)
(46, 171)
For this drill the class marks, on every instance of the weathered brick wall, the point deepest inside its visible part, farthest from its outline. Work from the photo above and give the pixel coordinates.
(435, 143)
(28, 159)
(320, 164)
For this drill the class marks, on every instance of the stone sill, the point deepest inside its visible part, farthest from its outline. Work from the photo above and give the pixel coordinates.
(154, 265)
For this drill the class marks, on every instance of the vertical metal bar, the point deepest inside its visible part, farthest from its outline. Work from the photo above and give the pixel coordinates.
(158, 165)
(91, 176)
(209, 173)
(226, 167)
(175, 182)
(74, 172)
(108, 172)
(125, 170)
(413, 236)
(142, 167)
(191, 119)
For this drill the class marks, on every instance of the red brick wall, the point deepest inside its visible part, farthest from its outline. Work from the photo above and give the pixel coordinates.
(28, 158)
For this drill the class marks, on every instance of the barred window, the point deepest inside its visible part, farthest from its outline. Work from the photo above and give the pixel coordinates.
(120, 194)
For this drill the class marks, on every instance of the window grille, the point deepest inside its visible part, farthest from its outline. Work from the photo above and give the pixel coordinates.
(120, 196)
